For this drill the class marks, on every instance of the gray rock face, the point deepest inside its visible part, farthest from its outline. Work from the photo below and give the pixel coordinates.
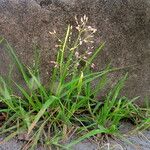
(123, 24)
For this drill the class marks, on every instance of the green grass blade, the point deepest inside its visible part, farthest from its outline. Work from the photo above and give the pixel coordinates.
(41, 112)
(97, 51)
(16, 60)
(86, 136)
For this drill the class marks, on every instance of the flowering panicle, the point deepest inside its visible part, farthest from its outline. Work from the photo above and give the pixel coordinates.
(55, 64)
(87, 31)
(85, 36)
(52, 33)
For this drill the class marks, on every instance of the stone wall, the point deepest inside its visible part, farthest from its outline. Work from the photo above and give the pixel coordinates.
(123, 24)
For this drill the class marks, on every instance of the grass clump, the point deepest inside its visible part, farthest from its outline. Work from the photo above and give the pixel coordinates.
(69, 105)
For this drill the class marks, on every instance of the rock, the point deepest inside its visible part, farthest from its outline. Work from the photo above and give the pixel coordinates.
(123, 24)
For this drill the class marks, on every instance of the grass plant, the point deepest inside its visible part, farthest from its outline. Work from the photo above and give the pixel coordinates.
(69, 106)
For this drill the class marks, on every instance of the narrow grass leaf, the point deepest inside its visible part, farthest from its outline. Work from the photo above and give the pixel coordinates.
(41, 112)
(86, 136)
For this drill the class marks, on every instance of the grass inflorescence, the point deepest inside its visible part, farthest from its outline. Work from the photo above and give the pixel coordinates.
(69, 106)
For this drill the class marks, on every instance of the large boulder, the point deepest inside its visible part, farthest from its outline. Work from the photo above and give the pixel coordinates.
(123, 24)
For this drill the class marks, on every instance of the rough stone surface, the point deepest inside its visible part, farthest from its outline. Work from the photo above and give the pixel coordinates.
(123, 24)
